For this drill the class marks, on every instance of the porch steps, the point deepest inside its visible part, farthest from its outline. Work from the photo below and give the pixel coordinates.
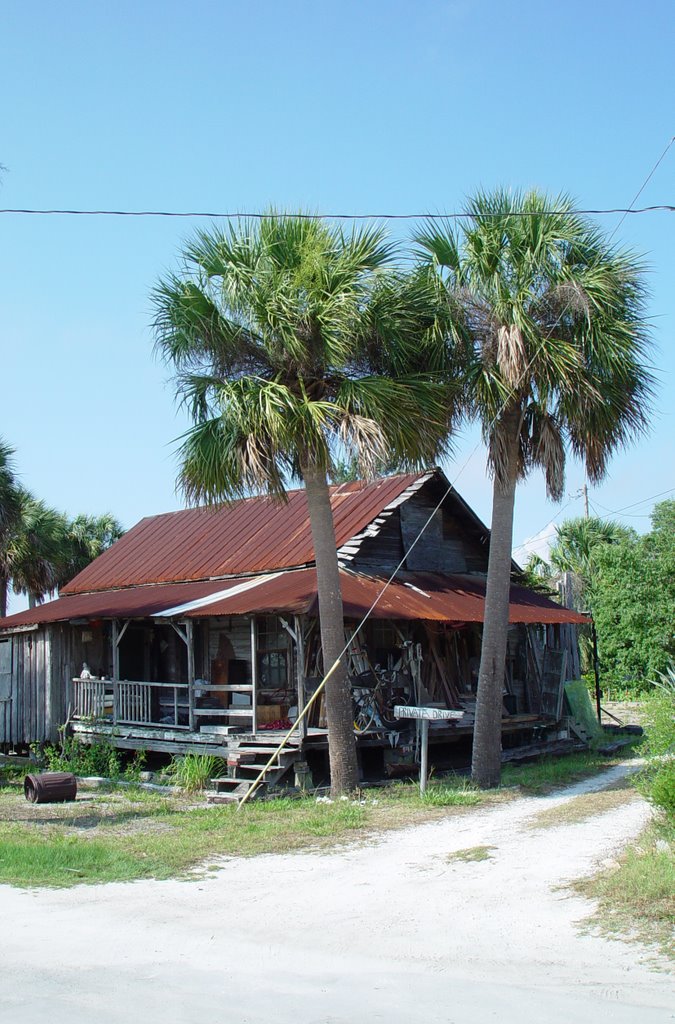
(245, 763)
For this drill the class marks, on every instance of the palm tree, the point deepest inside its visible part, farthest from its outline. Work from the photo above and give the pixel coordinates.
(552, 320)
(34, 548)
(87, 537)
(575, 542)
(9, 511)
(297, 346)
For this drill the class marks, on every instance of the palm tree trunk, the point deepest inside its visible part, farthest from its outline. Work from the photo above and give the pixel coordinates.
(487, 734)
(344, 770)
(3, 596)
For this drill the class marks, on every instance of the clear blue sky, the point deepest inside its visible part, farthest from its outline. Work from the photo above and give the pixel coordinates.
(334, 107)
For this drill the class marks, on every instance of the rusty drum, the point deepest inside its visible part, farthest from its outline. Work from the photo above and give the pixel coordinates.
(50, 787)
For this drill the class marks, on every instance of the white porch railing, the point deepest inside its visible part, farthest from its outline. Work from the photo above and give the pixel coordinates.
(125, 702)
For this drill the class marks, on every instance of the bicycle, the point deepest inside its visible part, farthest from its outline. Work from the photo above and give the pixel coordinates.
(373, 702)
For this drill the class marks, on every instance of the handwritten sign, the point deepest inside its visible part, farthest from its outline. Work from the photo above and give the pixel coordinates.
(429, 714)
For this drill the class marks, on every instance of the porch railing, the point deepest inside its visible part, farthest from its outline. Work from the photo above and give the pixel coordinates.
(125, 702)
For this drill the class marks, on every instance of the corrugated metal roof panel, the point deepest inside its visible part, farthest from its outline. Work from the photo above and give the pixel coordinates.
(428, 596)
(249, 536)
(134, 602)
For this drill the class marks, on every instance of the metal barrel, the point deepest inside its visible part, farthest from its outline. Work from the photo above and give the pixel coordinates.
(50, 787)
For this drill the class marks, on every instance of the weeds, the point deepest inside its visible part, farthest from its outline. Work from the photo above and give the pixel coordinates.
(99, 759)
(636, 898)
(193, 772)
(472, 854)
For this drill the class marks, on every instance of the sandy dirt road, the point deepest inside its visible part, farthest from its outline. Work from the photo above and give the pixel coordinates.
(395, 931)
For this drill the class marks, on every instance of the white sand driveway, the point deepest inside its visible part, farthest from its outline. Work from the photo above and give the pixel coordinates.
(392, 931)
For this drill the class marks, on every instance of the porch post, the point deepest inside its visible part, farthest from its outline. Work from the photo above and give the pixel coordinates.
(189, 642)
(300, 672)
(115, 650)
(254, 674)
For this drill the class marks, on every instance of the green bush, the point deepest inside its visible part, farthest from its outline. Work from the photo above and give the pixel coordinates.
(657, 781)
(100, 758)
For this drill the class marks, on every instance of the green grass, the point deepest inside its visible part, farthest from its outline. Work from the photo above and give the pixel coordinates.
(549, 773)
(124, 834)
(472, 854)
(636, 898)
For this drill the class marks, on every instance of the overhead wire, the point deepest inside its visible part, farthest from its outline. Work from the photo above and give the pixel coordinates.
(635, 504)
(525, 543)
(456, 215)
(642, 188)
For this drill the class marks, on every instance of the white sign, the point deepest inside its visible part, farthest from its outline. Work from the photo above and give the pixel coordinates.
(431, 714)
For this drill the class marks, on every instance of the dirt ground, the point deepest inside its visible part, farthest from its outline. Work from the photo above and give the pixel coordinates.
(628, 712)
(459, 921)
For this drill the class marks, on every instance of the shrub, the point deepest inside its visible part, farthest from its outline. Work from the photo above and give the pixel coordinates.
(657, 781)
(99, 758)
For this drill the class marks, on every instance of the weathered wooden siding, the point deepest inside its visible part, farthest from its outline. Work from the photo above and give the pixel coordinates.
(450, 543)
(33, 693)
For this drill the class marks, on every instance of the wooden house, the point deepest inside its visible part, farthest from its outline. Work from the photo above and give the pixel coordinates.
(199, 631)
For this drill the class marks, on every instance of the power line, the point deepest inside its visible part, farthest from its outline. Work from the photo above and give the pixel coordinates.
(618, 511)
(560, 511)
(641, 189)
(595, 505)
(462, 215)
(625, 515)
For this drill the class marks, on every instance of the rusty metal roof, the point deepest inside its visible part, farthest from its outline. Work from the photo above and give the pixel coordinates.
(134, 602)
(253, 535)
(426, 596)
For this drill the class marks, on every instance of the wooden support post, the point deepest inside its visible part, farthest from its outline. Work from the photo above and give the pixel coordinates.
(254, 674)
(300, 671)
(189, 641)
(115, 650)
(424, 756)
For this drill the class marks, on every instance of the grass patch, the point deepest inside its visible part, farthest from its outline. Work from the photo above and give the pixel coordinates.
(472, 853)
(123, 834)
(550, 773)
(636, 897)
(462, 794)
(587, 805)
(120, 835)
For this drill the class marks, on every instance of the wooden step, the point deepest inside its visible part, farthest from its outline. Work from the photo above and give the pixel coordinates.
(230, 782)
(223, 712)
(233, 796)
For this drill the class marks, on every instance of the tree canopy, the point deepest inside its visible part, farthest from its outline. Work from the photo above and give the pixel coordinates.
(41, 548)
(632, 597)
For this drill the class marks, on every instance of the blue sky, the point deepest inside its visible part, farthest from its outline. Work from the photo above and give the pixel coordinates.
(351, 107)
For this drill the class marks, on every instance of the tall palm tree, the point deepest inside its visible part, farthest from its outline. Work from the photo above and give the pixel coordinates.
(552, 320)
(296, 346)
